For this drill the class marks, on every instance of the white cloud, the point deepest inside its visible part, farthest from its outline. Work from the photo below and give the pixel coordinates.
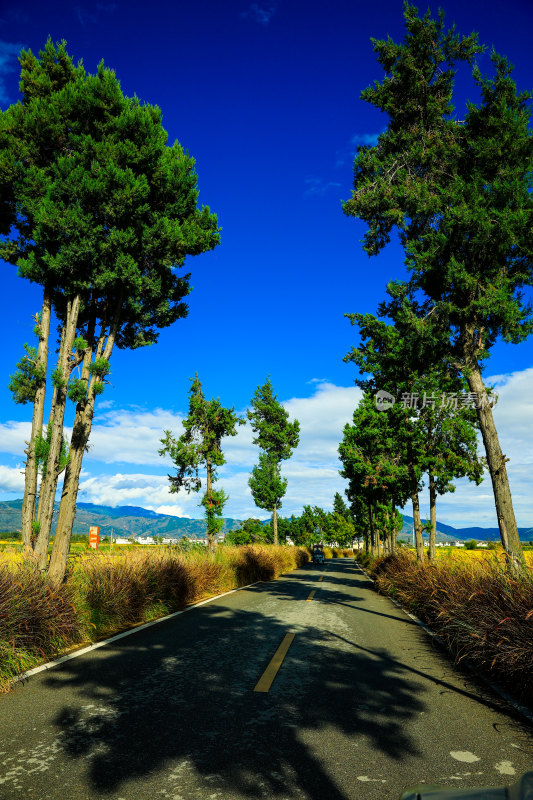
(513, 414)
(130, 436)
(171, 511)
(11, 479)
(140, 489)
(13, 436)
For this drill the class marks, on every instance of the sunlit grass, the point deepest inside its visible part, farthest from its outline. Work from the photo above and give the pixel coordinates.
(106, 592)
(481, 608)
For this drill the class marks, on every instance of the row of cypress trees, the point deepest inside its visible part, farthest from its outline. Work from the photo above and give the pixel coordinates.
(458, 193)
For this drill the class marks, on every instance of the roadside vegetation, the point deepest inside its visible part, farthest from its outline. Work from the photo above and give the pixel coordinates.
(108, 592)
(481, 611)
(453, 182)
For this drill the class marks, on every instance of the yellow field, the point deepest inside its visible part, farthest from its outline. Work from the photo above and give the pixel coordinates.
(460, 554)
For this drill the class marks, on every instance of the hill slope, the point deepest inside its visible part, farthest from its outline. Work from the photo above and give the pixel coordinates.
(120, 521)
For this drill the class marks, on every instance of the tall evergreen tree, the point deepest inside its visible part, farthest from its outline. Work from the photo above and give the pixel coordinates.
(105, 214)
(277, 438)
(200, 447)
(459, 193)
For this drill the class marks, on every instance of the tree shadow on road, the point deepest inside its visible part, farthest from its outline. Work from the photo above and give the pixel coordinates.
(179, 698)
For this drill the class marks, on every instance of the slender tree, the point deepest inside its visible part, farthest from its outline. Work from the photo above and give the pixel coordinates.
(459, 193)
(200, 447)
(106, 214)
(268, 487)
(34, 139)
(277, 438)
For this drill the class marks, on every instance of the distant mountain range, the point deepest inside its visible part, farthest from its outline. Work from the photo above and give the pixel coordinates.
(136, 521)
(446, 533)
(120, 521)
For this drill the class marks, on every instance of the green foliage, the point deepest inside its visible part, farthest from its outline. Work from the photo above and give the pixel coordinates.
(341, 530)
(102, 204)
(77, 390)
(270, 421)
(37, 327)
(98, 209)
(266, 484)
(458, 192)
(340, 507)
(276, 437)
(251, 531)
(58, 379)
(80, 344)
(15, 536)
(200, 447)
(28, 378)
(471, 544)
(42, 449)
(371, 454)
(100, 367)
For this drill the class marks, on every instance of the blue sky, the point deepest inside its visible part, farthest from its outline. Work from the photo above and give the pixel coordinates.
(265, 96)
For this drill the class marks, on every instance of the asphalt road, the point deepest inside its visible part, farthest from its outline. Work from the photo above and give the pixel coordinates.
(363, 705)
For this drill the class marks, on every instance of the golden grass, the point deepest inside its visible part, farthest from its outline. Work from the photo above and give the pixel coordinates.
(109, 592)
(481, 609)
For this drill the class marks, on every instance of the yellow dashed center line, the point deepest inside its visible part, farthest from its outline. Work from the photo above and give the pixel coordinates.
(311, 595)
(267, 678)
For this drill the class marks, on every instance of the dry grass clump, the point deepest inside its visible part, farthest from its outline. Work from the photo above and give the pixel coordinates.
(107, 593)
(341, 552)
(36, 621)
(333, 552)
(128, 588)
(481, 609)
(256, 562)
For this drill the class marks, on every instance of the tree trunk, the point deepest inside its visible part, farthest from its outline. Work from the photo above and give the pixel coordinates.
(387, 540)
(57, 415)
(433, 519)
(372, 530)
(275, 524)
(30, 475)
(81, 432)
(394, 532)
(209, 510)
(495, 459)
(419, 542)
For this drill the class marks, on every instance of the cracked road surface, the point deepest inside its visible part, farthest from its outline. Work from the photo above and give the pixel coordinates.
(353, 700)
